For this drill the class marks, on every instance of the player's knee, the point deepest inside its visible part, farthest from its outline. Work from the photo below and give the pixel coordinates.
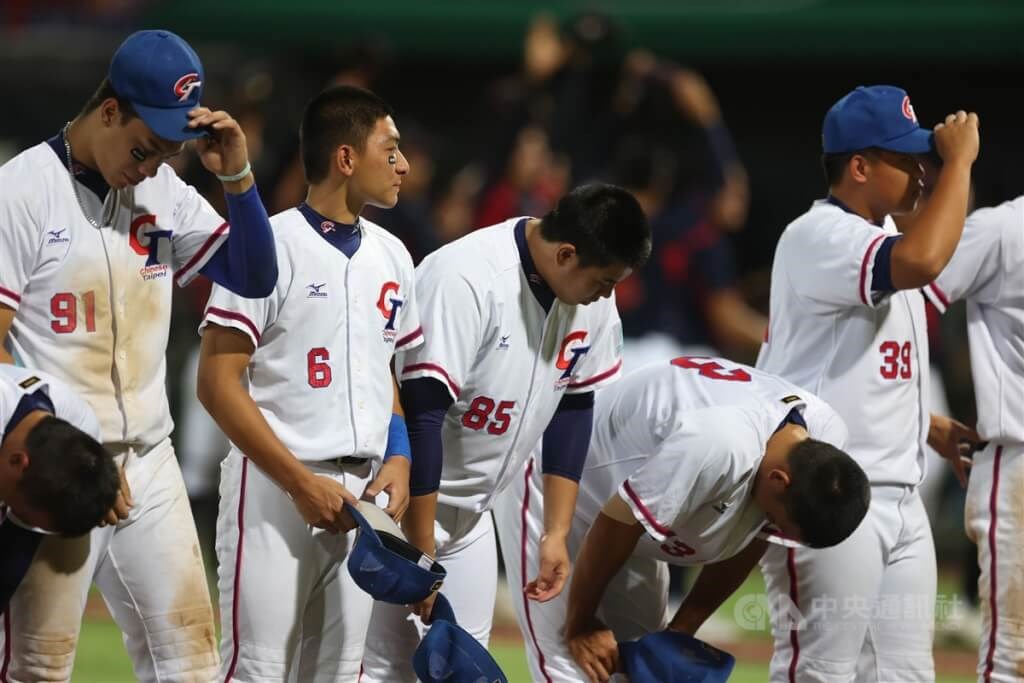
(46, 660)
(185, 649)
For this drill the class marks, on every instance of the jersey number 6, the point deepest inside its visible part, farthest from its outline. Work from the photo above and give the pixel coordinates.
(317, 369)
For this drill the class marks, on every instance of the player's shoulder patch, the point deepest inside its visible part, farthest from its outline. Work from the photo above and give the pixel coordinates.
(792, 398)
(29, 382)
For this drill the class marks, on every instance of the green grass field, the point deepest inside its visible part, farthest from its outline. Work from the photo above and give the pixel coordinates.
(101, 656)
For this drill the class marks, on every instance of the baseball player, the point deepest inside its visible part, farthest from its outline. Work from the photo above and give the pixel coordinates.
(321, 409)
(847, 322)
(94, 228)
(986, 271)
(692, 461)
(55, 477)
(520, 328)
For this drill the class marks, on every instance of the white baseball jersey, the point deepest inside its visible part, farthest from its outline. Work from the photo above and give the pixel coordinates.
(505, 360)
(324, 338)
(16, 382)
(93, 304)
(681, 442)
(987, 269)
(864, 353)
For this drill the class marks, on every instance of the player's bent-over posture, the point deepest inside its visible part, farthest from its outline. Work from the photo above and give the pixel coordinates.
(55, 477)
(988, 271)
(692, 462)
(847, 322)
(321, 410)
(520, 328)
(94, 228)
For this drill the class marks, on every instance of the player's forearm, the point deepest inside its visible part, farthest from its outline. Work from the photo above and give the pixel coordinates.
(605, 549)
(930, 236)
(715, 583)
(234, 411)
(418, 523)
(559, 505)
(6, 320)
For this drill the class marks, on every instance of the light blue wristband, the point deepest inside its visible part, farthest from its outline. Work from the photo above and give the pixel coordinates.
(398, 439)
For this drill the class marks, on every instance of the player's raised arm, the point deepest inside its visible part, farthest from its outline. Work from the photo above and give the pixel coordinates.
(224, 357)
(930, 237)
(607, 546)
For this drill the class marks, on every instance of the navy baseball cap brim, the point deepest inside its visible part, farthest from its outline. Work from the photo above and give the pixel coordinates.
(169, 124)
(918, 141)
(674, 656)
(387, 566)
(449, 653)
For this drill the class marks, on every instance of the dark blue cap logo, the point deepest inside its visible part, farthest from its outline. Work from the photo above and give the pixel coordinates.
(161, 76)
(879, 116)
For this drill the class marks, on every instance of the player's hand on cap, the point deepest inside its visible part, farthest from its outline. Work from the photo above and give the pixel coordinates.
(392, 479)
(595, 650)
(554, 569)
(953, 441)
(223, 151)
(122, 504)
(321, 502)
(957, 138)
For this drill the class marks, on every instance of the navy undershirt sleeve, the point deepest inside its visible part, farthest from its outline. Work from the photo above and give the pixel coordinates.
(247, 263)
(17, 548)
(567, 437)
(425, 401)
(881, 272)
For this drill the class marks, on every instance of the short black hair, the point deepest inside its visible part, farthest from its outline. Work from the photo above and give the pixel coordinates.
(828, 494)
(343, 115)
(104, 93)
(604, 222)
(70, 475)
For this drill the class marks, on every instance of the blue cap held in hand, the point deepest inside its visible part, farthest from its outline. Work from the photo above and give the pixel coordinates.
(162, 77)
(448, 654)
(674, 656)
(387, 566)
(874, 116)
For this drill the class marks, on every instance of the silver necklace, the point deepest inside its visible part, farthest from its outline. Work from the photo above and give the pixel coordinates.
(74, 183)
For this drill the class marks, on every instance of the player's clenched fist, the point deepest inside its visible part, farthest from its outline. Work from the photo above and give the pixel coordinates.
(321, 502)
(595, 650)
(957, 138)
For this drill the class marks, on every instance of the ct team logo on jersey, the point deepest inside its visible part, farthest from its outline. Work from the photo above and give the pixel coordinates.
(908, 109)
(148, 240)
(57, 237)
(388, 304)
(184, 86)
(569, 354)
(327, 226)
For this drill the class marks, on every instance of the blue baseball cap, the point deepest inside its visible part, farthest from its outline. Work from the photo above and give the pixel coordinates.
(387, 566)
(448, 654)
(674, 656)
(162, 77)
(874, 116)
